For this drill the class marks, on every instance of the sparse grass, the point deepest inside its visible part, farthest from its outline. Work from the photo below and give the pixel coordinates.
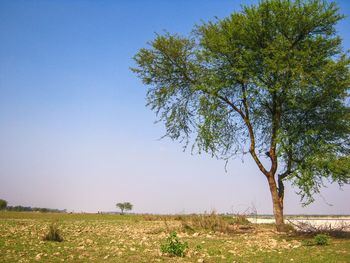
(131, 238)
(208, 222)
(241, 220)
(53, 234)
(216, 223)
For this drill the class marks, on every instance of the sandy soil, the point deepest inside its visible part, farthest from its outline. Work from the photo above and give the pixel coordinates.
(326, 222)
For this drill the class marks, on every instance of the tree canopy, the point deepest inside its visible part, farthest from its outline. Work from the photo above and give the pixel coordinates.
(272, 81)
(3, 204)
(126, 206)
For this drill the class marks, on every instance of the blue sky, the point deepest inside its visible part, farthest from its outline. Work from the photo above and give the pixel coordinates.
(74, 129)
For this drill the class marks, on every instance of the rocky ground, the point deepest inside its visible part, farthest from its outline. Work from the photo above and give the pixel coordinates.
(116, 238)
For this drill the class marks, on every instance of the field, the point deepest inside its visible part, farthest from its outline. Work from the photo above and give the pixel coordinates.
(137, 238)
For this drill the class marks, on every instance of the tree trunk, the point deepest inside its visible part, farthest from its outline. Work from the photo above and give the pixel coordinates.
(277, 202)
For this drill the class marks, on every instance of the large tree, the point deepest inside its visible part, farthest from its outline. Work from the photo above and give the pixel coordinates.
(271, 81)
(3, 204)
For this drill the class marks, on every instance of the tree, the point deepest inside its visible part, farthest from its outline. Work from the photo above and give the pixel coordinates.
(126, 206)
(271, 81)
(3, 204)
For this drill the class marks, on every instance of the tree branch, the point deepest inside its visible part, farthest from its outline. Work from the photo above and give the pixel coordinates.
(251, 131)
(276, 118)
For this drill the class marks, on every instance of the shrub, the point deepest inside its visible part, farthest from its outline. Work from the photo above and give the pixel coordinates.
(210, 222)
(174, 247)
(241, 220)
(54, 234)
(321, 240)
(216, 223)
(318, 240)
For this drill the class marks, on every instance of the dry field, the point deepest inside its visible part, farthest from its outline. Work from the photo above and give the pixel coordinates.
(137, 238)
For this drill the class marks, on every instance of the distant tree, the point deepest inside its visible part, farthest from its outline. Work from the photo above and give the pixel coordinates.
(3, 204)
(126, 206)
(271, 81)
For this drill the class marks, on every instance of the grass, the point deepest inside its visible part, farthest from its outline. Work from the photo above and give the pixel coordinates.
(54, 234)
(206, 222)
(137, 238)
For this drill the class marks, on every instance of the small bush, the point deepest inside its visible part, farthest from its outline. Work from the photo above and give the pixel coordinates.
(174, 247)
(321, 240)
(209, 222)
(216, 223)
(53, 234)
(241, 220)
(318, 240)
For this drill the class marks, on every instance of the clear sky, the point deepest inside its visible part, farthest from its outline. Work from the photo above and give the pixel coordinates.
(74, 129)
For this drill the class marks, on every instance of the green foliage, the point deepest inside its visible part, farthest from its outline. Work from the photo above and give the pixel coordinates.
(271, 80)
(3, 204)
(318, 240)
(126, 206)
(321, 240)
(19, 208)
(173, 246)
(53, 234)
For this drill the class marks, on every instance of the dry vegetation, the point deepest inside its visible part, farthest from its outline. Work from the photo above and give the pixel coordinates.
(132, 238)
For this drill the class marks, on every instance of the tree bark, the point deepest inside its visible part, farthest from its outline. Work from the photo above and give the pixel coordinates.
(277, 201)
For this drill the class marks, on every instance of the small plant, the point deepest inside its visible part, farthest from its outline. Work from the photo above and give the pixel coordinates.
(173, 246)
(199, 247)
(53, 234)
(321, 240)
